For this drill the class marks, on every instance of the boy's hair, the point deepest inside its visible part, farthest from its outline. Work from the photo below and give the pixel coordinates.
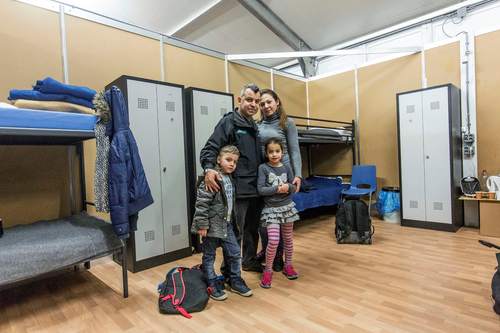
(273, 141)
(229, 149)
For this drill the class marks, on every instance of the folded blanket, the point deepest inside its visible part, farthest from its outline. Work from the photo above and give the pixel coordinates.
(52, 106)
(39, 96)
(51, 86)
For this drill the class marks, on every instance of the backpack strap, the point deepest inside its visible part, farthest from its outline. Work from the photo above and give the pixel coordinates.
(177, 297)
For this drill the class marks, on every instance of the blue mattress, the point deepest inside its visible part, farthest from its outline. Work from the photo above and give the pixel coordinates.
(326, 193)
(46, 120)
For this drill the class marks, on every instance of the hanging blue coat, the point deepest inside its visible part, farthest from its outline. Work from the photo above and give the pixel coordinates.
(128, 187)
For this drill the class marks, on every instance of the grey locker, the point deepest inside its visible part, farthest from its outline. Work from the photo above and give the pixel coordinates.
(157, 120)
(204, 109)
(430, 158)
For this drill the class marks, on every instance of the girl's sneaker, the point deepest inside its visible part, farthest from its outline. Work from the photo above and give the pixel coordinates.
(290, 273)
(267, 278)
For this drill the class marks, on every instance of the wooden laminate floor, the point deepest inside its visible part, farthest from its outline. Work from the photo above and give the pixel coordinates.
(409, 280)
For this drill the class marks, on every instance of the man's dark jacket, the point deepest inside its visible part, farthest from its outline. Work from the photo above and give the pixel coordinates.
(234, 129)
(128, 187)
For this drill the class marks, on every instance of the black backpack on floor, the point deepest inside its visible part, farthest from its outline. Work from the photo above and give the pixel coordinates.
(183, 291)
(495, 282)
(353, 224)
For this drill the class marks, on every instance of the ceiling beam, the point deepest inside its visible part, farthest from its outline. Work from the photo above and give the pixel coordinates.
(274, 23)
(192, 18)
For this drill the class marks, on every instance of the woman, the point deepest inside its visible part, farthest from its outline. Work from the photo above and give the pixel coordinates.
(276, 124)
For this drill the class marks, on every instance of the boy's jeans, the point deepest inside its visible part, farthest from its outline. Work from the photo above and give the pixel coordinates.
(230, 250)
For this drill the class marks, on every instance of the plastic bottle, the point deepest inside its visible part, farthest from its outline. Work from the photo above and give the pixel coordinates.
(484, 178)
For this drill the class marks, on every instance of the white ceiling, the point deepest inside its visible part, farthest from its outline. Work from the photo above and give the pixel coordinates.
(226, 26)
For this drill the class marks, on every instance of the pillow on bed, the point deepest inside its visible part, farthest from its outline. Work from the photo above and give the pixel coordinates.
(52, 106)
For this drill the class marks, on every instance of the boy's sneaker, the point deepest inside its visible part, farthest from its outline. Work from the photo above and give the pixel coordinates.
(215, 292)
(266, 280)
(290, 273)
(239, 286)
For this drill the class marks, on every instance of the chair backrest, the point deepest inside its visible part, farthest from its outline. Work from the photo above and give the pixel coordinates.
(364, 174)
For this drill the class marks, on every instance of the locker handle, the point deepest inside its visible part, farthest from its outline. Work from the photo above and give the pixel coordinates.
(164, 169)
(427, 157)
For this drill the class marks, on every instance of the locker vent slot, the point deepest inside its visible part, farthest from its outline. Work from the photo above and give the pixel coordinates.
(223, 111)
(142, 103)
(413, 204)
(410, 109)
(437, 205)
(170, 106)
(149, 235)
(176, 230)
(435, 105)
(204, 110)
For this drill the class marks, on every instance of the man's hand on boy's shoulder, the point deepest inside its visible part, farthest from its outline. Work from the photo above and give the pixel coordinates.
(211, 178)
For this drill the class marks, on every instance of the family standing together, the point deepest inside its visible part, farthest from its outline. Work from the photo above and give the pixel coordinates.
(251, 169)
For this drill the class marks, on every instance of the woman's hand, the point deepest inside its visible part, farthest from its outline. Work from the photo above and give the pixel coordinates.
(297, 182)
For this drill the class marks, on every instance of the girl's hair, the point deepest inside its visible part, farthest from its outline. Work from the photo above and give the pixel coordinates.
(229, 150)
(281, 109)
(273, 141)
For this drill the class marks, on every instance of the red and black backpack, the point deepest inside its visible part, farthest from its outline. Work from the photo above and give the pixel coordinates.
(184, 291)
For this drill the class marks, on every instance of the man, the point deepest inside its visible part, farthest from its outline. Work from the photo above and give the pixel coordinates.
(238, 128)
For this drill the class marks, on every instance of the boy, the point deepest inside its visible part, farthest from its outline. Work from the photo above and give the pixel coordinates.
(214, 222)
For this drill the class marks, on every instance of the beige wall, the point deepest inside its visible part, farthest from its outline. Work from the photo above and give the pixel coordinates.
(332, 98)
(488, 105)
(204, 71)
(378, 85)
(293, 95)
(442, 65)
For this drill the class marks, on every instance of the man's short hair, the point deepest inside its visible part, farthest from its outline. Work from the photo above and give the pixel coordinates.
(229, 149)
(252, 86)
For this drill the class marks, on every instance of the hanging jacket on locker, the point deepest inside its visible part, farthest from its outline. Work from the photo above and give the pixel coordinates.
(128, 187)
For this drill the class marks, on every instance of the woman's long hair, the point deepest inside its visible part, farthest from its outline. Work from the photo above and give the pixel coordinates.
(281, 109)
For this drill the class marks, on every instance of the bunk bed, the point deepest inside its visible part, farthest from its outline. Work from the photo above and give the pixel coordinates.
(37, 249)
(325, 190)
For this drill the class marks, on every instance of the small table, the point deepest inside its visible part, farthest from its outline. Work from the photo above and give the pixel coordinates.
(489, 216)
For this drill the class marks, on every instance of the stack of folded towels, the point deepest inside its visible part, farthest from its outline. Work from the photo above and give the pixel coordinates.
(50, 94)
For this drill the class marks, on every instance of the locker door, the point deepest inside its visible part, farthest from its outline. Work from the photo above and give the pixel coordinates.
(412, 151)
(203, 122)
(173, 167)
(144, 125)
(437, 155)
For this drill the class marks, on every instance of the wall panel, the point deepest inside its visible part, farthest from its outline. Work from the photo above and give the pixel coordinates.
(442, 65)
(332, 98)
(293, 94)
(488, 106)
(193, 69)
(378, 85)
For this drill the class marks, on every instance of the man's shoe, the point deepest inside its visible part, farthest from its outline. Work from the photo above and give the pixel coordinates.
(253, 266)
(278, 264)
(290, 273)
(266, 280)
(239, 286)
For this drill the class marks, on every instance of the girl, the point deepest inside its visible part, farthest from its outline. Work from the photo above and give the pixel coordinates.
(279, 213)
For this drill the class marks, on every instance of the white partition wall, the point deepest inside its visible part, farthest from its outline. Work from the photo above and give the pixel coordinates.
(157, 120)
(430, 157)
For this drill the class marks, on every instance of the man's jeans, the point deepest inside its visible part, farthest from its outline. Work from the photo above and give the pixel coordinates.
(247, 213)
(230, 250)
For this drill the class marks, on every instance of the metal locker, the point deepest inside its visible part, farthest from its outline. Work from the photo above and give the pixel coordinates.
(436, 135)
(173, 167)
(156, 112)
(142, 105)
(430, 159)
(412, 167)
